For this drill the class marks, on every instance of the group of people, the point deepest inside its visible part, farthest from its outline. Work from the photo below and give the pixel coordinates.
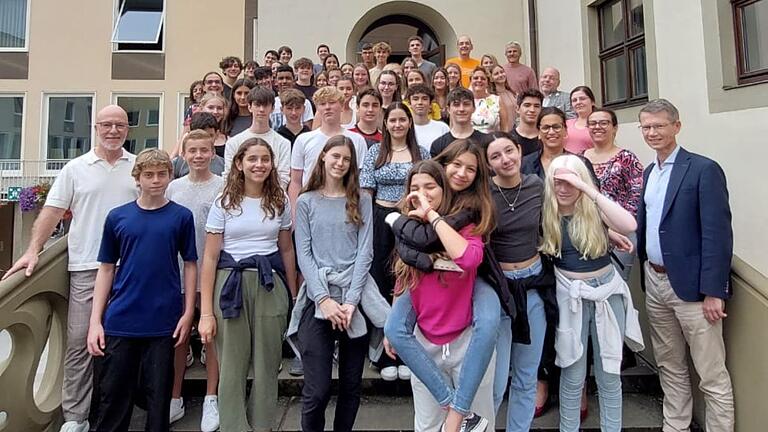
(473, 241)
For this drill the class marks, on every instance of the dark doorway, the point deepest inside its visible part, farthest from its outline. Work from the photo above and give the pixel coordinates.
(395, 30)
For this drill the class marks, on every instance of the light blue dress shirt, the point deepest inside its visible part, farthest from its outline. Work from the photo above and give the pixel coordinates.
(655, 193)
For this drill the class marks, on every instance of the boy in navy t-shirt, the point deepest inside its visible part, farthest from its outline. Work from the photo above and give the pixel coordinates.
(140, 300)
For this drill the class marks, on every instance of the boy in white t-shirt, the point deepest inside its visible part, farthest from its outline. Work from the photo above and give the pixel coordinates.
(420, 98)
(308, 146)
(196, 191)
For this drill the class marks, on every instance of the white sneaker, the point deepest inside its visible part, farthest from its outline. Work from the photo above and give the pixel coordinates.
(389, 373)
(202, 355)
(210, 419)
(177, 409)
(404, 373)
(73, 426)
(190, 357)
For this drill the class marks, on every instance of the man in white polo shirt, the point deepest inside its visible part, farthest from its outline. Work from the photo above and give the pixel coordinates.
(90, 185)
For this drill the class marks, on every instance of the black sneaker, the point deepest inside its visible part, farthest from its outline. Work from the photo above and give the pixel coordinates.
(296, 368)
(473, 423)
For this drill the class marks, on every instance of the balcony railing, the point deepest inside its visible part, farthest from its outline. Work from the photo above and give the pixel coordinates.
(25, 173)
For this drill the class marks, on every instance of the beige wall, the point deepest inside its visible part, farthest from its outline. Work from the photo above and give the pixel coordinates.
(70, 51)
(334, 21)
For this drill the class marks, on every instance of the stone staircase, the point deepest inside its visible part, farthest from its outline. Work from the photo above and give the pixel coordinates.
(388, 406)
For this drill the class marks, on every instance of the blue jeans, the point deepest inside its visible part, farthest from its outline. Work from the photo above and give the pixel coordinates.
(572, 377)
(486, 313)
(520, 360)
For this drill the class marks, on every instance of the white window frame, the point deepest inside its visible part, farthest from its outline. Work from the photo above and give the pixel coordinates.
(23, 96)
(158, 95)
(46, 99)
(180, 96)
(147, 139)
(25, 48)
(116, 15)
(147, 123)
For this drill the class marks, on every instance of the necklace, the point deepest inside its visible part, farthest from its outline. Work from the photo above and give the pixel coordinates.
(511, 205)
(402, 149)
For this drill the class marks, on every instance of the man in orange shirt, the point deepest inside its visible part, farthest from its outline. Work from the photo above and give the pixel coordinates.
(465, 62)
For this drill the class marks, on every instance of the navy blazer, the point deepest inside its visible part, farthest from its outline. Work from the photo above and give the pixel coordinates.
(695, 229)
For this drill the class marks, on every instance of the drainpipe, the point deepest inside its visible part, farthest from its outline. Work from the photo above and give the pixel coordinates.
(533, 35)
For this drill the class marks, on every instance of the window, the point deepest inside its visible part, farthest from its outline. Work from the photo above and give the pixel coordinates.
(142, 134)
(623, 76)
(750, 18)
(68, 133)
(139, 25)
(184, 102)
(11, 120)
(13, 25)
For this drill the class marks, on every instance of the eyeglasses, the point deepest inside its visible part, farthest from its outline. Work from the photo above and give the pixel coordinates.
(557, 128)
(602, 124)
(656, 127)
(108, 126)
(213, 81)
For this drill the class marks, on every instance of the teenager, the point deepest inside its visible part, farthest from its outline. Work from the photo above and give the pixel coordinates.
(309, 145)
(246, 311)
(334, 75)
(263, 77)
(196, 91)
(361, 76)
(303, 67)
(286, 80)
(249, 70)
(231, 67)
(440, 86)
(517, 200)
(416, 49)
(139, 314)
(441, 306)
(322, 52)
(383, 174)
(293, 103)
(285, 54)
(583, 103)
(381, 52)
(216, 104)
(270, 58)
(368, 116)
(321, 80)
(408, 64)
(331, 61)
(347, 69)
(421, 99)
(388, 85)
(398, 70)
(593, 300)
(196, 191)
(239, 118)
(490, 115)
(488, 61)
(500, 87)
(461, 106)
(366, 55)
(454, 76)
(334, 241)
(526, 133)
(346, 85)
(260, 104)
(202, 121)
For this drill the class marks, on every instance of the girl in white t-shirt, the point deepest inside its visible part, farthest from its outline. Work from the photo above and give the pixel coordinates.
(247, 282)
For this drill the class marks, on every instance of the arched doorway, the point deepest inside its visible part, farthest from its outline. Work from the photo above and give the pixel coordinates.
(396, 21)
(396, 29)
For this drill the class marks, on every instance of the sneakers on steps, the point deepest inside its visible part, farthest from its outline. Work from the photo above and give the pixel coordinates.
(190, 358)
(473, 423)
(210, 420)
(404, 373)
(202, 355)
(177, 410)
(73, 426)
(389, 373)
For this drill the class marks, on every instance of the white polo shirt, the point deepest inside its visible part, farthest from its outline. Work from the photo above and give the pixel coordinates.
(90, 187)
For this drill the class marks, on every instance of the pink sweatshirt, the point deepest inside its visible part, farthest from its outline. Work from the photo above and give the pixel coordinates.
(578, 139)
(443, 299)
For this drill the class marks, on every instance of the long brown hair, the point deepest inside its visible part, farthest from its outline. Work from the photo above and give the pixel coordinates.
(408, 277)
(350, 180)
(273, 199)
(385, 151)
(477, 197)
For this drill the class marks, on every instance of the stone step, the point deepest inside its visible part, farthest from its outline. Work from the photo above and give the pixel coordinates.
(642, 413)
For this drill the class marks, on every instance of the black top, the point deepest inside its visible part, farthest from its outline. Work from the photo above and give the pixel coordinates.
(571, 259)
(444, 141)
(516, 237)
(287, 134)
(308, 91)
(529, 145)
(531, 164)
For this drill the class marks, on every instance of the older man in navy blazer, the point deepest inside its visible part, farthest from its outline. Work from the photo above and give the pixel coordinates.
(686, 243)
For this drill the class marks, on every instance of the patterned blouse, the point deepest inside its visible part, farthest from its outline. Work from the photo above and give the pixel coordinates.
(388, 180)
(487, 114)
(621, 179)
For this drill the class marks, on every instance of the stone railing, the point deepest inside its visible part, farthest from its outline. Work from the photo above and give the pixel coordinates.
(33, 312)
